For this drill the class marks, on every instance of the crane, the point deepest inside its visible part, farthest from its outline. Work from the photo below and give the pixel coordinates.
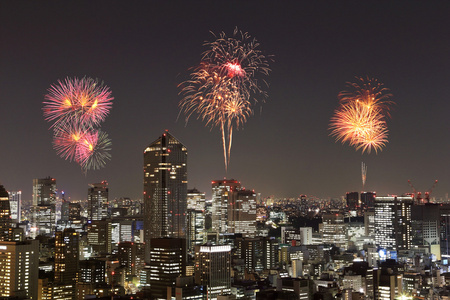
(418, 195)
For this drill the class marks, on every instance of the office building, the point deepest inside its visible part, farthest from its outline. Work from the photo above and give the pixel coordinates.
(334, 230)
(98, 201)
(352, 200)
(242, 213)
(19, 269)
(196, 233)
(393, 222)
(15, 204)
(5, 212)
(167, 262)
(99, 236)
(165, 189)
(44, 207)
(196, 200)
(221, 195)
(368, 200)
(213, 269)
(66, 257)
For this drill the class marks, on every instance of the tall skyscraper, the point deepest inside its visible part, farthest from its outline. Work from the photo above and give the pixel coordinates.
(15, 204)
(221, 194)
(98, 201)
(44, 206)
(393, 222)
(165, 189)
(195, 199)
(4, 214)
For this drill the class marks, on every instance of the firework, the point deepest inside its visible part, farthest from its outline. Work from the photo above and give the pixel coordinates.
(75, 107)
(363, 173)
(92, 151)
(223, 88)
(84, 100)
(360, 120)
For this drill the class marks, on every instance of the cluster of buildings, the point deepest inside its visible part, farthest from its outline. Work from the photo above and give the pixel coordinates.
(176, 244)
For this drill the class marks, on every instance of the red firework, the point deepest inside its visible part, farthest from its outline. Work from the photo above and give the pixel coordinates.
(85, 100)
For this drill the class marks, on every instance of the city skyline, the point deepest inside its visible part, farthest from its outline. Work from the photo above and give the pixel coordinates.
(142, 51)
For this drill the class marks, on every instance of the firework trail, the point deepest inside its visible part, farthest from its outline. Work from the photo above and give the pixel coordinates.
(363, 173)
(223, 88)
(75, 107)
(360, 119)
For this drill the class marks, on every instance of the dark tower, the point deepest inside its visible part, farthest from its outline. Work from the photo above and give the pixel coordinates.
(165, 189)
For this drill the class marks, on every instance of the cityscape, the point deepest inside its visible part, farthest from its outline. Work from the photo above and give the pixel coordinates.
(245, 150)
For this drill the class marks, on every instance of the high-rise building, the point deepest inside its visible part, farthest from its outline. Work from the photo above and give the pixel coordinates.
(368, 200)
(66, 256)
(15, 204)
(98, 201)
(44, 206)
(221, 194)
(213, 269)
(352, 199)
(196, 233)
(196, 199)
(242, 213)
(167, 262)
(99, 236)
(4, 214)
(333, 230)
(19, 268)
(393, 222)
(165, 189)
(426, 225)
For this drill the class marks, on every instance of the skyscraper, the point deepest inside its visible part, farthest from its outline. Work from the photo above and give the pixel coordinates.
(221, 194)
(98, 201)
(393, 222)
(4, 214)
(66, 256)
(242, 213)
(44, 206)
(15, 204)
(165, 189)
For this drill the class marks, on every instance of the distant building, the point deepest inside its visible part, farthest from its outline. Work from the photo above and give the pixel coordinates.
(15, 204)
(352, 200)
(165, 189)
(221, 194)
(44, 206)
(333, 230)
(368, 200)
(393, 222)
(242, 213)
(196, 200)
(99, 236)
(98, 201)
(5, 212)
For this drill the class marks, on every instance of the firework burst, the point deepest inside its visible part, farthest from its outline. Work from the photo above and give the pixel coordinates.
(85, 100)
(360, 120)
(75, 107)
(223, 88)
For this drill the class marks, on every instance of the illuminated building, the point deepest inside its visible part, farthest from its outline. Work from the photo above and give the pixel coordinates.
(15, 204)
(167, 262)
(333, 230)
(19, 269)
(99, 236)
(131, 256)
(195, 200)
(43, 209)
(306, 235)
(426, 225)
(221, 192)
(388, 281)
(393, 222)
(195, 228)
(242, 213)
(213, 269)
(98, 201)
(5, 221)
(92, 271)
(259, 253)
(165, 189)
(66, 256)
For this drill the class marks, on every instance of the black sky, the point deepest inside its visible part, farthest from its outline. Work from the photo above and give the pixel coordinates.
(143, 49)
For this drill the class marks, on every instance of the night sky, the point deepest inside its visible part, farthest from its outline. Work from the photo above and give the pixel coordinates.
(143, 49)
